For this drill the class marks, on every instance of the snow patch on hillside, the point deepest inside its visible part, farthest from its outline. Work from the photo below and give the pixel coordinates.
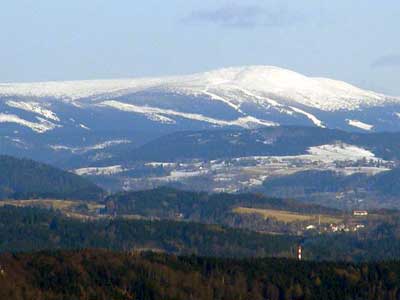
(160, 115)
(156, 164)
(313, 118)
(99, 171)
(359, 124)
(74, 90)
(219, 98)
(328, 153)
(99, 146)
(40, 127)
(84, 126)
(34, 107)
(341, 152)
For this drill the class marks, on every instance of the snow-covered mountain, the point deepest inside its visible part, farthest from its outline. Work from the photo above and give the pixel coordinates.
(62, 115)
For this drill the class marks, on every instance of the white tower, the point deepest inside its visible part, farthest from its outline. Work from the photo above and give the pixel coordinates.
(299, 250)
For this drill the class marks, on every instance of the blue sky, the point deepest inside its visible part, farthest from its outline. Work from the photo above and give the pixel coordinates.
(353, 40)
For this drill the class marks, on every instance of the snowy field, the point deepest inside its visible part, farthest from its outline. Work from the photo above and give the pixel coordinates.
(250, 172)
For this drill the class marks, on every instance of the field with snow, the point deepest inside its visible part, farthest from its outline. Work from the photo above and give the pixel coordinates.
(244, 173)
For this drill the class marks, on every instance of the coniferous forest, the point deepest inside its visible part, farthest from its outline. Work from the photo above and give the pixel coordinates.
(99, 274)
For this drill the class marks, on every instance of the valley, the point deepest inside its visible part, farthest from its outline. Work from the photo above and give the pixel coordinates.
(242, 173)
(261, 160)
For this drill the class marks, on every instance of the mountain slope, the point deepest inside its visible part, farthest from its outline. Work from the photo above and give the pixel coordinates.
(25, 179)
(273, 141)
(53, 119)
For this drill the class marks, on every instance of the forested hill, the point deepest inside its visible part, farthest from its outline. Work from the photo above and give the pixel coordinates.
(27, 179)
(166, 202)
(33, 229)
(97, 274)
(385, 185)
(218, 208)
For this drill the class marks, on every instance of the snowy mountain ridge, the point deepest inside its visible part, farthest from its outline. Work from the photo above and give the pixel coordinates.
(60, 119)
(264, 85)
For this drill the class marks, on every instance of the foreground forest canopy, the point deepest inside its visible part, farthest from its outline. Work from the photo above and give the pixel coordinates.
(98, 274)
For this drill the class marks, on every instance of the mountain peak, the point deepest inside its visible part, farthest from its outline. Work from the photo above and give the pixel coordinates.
(281, 85)
(235, 96)
(258, 80)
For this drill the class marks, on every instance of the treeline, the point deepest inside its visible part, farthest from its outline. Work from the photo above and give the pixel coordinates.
(27, 179)
(95, 274)
(32, 229)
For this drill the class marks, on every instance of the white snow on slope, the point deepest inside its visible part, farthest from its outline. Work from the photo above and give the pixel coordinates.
(84, 126)
(328, 153)
(158, 114)
(284, 86)
(359, 124)
(176, 175)
(74, 90)
(34, 107)
(100, 146)
(111, 170)
(218, 98)
(226, 85)
(341, 152)
(313, 118)
(156, 164)
(40, 127)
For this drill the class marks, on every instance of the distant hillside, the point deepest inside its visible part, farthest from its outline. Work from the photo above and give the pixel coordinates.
(387, 183)
(27, 179)
(272, 141)
(382, 186)
(304, 183)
